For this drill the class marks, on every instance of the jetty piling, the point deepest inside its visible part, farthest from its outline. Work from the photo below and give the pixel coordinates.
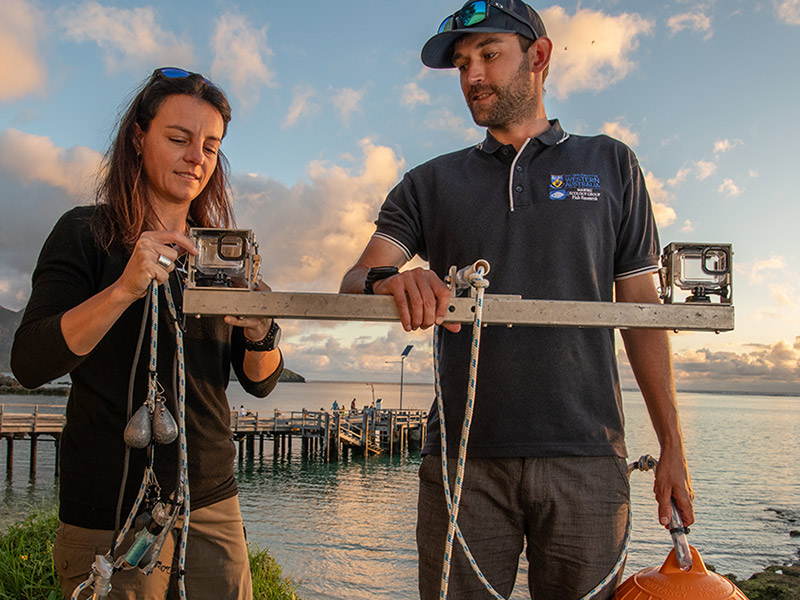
(326, 434)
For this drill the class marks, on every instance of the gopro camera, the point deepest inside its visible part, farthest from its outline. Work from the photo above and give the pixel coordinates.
(701, 270)
(227, 259)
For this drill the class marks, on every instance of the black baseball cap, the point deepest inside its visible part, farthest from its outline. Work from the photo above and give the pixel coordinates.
(481, 16)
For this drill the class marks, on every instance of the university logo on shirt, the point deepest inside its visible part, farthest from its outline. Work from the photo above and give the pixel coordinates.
(575, 186)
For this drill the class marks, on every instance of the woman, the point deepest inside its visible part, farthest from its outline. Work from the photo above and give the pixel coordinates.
(163, 173)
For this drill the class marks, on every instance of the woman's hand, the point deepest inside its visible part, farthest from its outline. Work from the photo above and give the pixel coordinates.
(153, 257)
(255, 329)
(257, 366)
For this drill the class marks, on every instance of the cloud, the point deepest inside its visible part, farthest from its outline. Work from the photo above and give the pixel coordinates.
(788, 11)
(347, 101)
(301, 105)
(592, 50)
(39, 181)
(688, 226)
(619, 131)
(757, 271)
(701, 169)
(311, 233)
(765, 368)
(693, 21)
(778, 362)
(721, 146)
(443, 119)
(323, 355)
(660, 198)
(22, 70)
(241, 57)
(130, 38)
(729, 188)
(413, 95)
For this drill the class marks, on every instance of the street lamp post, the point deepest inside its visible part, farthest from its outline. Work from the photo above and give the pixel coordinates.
(402, 360)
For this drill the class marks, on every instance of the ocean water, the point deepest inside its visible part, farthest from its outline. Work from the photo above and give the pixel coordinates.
(345, 530)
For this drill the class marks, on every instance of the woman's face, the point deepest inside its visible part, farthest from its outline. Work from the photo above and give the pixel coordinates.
(179, 150)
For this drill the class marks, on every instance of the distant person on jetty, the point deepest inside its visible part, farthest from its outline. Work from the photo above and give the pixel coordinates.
(559, 217)
(334, 406)
(164, 172)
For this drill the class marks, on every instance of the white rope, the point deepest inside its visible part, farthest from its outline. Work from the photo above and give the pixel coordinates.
(453, 503)
(183, 483)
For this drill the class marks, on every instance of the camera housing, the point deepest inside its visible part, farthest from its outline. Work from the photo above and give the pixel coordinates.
(701, 270)
(227, 259)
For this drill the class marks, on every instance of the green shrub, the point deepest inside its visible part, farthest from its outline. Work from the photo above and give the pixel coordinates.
(27, 571)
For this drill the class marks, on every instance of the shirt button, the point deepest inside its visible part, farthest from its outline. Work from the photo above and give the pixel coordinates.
(505, 151)
(518, 188)
(519, 168)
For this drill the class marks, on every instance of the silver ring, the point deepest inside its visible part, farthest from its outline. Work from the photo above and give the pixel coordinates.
(164, 262)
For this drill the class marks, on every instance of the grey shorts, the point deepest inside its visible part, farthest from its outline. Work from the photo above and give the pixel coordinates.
(571, 511)
(217, 564)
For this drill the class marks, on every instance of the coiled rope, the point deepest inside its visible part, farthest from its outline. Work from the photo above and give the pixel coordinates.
(644, 463)
(102, 581)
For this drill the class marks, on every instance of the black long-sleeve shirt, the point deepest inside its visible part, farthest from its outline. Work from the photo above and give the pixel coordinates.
(72, 268)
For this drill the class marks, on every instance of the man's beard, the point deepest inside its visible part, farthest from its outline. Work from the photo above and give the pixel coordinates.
(512, 103)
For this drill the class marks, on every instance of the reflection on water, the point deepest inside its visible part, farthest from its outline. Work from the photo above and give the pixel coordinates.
(346, 530)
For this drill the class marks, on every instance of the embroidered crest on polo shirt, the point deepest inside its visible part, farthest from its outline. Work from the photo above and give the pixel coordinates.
(575, 186)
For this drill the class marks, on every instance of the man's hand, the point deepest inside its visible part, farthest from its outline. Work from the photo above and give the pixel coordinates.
(672, 481)
(421, 298)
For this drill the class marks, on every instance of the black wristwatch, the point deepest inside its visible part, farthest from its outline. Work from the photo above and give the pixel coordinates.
(270, 341)
(375, 274)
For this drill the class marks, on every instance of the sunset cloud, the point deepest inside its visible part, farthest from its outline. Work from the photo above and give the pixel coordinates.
(619, 131)
(443, 119)
(312, 232)
(347, 101)
(660, 198)
(721, 146)
(130, 38)
(40, 181)
(242, 57)
(729, 188)
(413, 95)
(788, 11)
(22, 70)
(301, 105)
(691, 21)
(591, 49)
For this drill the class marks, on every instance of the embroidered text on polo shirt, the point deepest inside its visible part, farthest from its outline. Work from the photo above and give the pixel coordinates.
(575, 186)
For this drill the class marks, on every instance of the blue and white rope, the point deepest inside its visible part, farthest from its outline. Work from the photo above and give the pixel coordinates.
(183, 484)
(453, 503)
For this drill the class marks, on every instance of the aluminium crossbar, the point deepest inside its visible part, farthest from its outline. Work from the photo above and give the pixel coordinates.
(497, 310)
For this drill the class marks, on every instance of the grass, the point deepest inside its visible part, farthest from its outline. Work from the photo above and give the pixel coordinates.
(27, 570)
(26, 559)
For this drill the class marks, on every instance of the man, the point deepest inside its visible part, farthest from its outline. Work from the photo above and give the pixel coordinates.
(558, 217)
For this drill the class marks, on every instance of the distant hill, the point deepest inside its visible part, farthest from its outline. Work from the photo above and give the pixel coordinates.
(9, 321)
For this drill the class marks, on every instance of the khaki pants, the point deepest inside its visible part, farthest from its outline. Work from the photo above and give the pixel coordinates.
(571, 511)
(217, 564)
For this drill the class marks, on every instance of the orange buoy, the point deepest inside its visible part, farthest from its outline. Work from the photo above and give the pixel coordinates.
(668, 582)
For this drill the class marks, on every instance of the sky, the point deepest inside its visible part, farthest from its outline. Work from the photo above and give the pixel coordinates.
(331, 105)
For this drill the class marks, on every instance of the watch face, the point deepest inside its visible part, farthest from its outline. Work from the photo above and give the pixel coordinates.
(276, 339)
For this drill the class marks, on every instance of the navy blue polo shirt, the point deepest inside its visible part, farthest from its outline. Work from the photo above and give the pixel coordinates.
(561, 219)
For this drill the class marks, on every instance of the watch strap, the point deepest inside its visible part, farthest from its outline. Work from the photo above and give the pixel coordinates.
(375, 274)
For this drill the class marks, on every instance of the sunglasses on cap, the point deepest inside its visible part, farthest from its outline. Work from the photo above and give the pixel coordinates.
(477, 12)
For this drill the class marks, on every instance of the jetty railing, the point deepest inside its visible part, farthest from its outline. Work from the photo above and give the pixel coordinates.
(30, 422)
(329, 433)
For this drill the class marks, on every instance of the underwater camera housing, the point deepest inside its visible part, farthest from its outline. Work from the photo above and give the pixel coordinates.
(227, 259)
(701, 270)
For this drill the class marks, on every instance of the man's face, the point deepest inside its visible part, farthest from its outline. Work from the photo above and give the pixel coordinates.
(495, 79)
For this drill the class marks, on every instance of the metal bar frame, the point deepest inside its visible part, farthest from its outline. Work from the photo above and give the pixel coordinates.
(497, 310)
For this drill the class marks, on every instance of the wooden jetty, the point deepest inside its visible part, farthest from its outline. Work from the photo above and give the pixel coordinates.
(329, 434)
(30, 422)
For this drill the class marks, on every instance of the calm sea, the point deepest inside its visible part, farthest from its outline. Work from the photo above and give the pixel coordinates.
(346, 530)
